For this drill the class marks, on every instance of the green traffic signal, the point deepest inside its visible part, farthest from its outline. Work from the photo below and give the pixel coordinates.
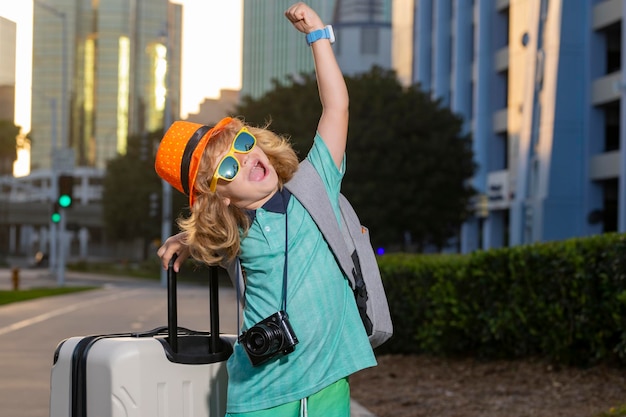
(55, 217)
(65, 188)
(65, 200)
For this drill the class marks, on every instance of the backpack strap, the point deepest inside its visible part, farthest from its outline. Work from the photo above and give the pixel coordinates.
(307, 186)
(235, 274)
(357, 242)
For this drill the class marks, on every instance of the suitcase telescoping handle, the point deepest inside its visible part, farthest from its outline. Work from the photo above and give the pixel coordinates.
(172, 307)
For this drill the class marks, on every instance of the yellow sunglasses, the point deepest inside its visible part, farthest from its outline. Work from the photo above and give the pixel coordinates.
(228, 167)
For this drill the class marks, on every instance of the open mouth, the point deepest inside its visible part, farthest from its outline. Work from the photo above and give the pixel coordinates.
(258, 171)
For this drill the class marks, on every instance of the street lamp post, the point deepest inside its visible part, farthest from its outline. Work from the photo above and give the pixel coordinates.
(58, 242)
(54, 190)
(166, 210)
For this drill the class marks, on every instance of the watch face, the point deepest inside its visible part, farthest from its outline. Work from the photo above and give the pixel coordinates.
(331, 33)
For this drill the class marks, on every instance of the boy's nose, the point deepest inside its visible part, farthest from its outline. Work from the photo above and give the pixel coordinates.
(242, 158)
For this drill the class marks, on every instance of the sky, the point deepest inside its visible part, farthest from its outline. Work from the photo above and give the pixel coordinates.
(201, 78)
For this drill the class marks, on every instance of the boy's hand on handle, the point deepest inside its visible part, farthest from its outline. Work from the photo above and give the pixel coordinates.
(304, 18)
(174, 245)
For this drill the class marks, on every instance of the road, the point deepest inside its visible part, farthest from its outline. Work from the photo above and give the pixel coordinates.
(31, 330)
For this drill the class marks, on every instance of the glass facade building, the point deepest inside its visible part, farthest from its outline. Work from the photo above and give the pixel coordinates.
(102, 71)
(273, 49)
(7, 69)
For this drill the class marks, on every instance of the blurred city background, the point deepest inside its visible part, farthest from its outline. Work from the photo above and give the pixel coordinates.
(86, 89)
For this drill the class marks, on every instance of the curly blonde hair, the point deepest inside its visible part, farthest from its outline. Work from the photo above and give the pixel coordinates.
(213, 231)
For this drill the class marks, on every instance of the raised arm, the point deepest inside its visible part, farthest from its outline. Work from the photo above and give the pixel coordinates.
(333, 124)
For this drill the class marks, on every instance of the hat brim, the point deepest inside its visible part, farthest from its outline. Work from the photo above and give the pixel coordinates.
(194, 165)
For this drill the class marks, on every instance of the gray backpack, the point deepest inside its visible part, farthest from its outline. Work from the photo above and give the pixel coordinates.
(352, 249)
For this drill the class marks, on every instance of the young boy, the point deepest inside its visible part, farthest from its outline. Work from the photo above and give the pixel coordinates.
(234, 176)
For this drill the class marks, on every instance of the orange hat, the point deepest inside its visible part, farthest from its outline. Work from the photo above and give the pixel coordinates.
(180, 151)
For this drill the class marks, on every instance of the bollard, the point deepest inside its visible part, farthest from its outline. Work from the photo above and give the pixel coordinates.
(16, 279)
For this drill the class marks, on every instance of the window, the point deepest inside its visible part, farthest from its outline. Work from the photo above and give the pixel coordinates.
(613, 48)
(611, 126)
(369, 41)
(610, 191)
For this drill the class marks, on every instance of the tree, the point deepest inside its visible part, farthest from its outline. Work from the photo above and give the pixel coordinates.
(408, 162)
(128, 184)
(8, 146)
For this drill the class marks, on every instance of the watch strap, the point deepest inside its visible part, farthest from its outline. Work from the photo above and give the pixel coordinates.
(316, 35)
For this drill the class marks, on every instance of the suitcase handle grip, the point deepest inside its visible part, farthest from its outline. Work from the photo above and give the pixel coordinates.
(172, 307)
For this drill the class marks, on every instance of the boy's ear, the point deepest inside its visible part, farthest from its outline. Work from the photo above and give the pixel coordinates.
(226, 201)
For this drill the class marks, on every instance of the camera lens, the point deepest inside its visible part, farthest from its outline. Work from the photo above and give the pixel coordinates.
(263, 339)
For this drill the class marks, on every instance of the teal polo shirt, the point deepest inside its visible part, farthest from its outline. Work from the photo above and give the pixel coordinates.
(320, 304)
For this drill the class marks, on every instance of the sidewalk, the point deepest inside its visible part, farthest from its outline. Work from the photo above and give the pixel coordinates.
(44, 278)
(28, 278)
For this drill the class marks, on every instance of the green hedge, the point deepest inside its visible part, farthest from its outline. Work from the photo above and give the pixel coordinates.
(565, 301)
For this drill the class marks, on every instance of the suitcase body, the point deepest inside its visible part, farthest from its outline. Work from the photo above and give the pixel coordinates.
(169, 371)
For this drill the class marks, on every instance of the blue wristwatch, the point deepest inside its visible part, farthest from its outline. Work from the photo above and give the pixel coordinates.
(316, 35)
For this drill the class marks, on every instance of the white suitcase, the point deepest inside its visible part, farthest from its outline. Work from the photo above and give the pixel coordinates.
(169, 371)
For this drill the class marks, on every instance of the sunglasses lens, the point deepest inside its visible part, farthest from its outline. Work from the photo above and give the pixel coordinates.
(228, 168)
(244, 142)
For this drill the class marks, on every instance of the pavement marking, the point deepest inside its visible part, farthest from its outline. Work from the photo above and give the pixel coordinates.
(139, 323)
(54, 313)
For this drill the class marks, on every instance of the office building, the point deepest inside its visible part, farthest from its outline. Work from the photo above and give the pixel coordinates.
(540, 87)
(101, 71)
(363, 31)
(273, 50)
(7, 69)
(212, 111)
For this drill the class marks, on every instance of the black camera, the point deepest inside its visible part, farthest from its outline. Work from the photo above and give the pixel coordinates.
(268, 338)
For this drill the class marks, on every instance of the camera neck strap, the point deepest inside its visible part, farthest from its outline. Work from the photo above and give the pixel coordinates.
(285, 199)
(285, 267)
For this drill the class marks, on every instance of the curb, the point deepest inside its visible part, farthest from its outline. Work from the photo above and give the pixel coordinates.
(357, 410)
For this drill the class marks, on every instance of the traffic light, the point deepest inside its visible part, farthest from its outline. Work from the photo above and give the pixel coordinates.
(56, 215)
(66, 188)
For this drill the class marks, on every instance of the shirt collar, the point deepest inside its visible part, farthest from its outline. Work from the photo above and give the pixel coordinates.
(277, 204)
